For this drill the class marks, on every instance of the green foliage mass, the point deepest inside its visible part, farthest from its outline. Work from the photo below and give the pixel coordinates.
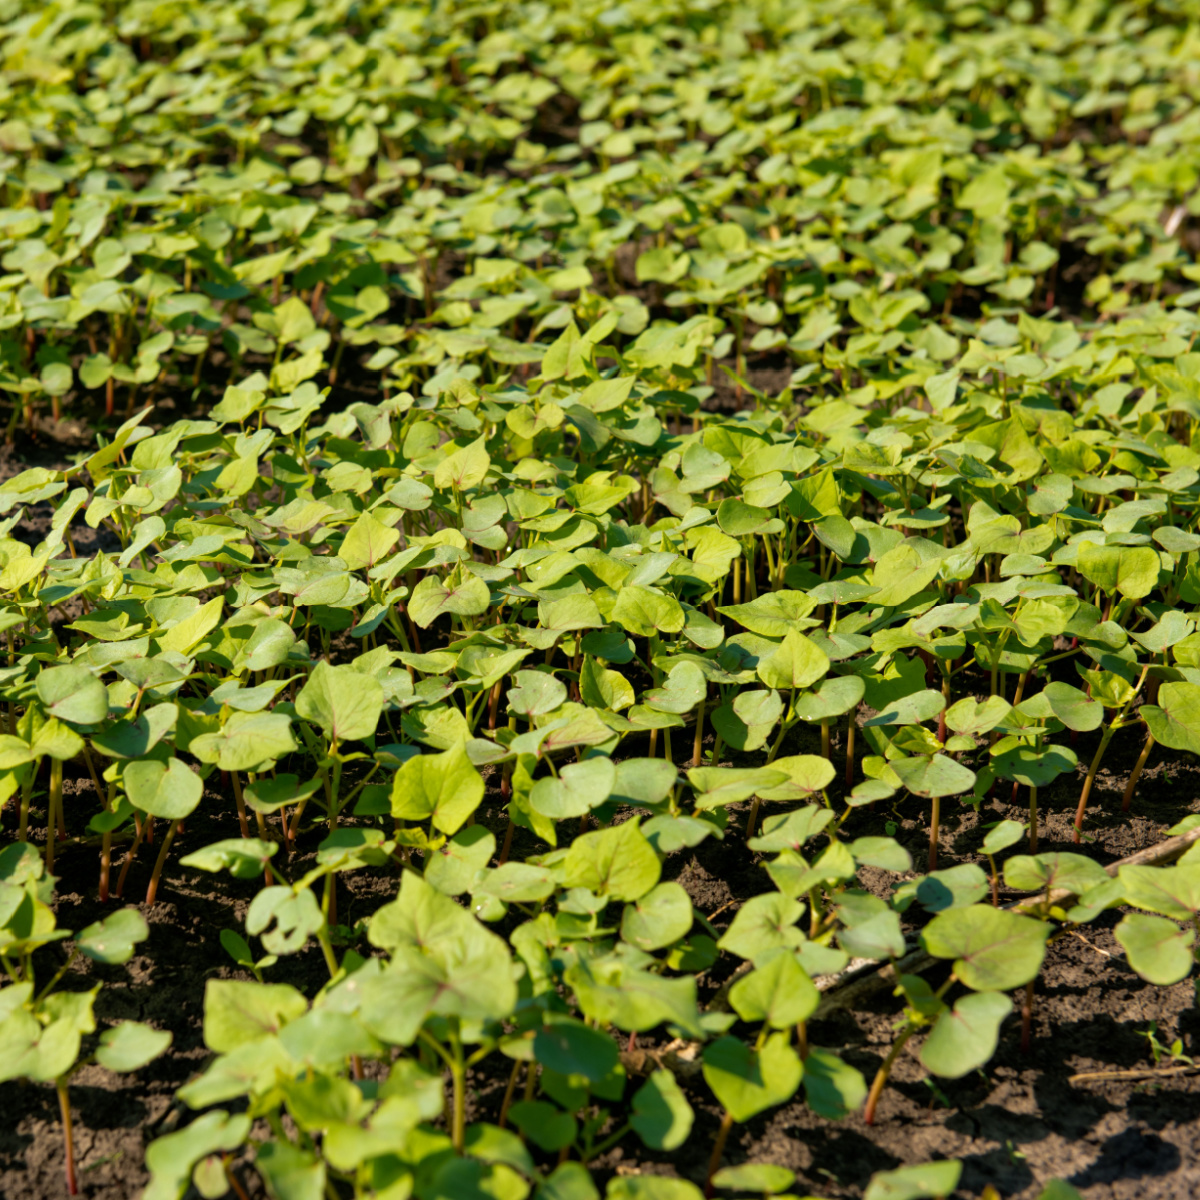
(555, 437)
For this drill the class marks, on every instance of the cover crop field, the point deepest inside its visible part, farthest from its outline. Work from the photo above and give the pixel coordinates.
(599, 599)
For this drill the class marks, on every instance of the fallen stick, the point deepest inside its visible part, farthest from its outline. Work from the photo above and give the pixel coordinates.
(1134, 1076)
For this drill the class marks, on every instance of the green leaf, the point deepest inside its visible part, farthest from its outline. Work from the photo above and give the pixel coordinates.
(443, 960)
(131, 1045)
(976, 717)
(1157, 949)
(657, 919)
(462, 594)
(933, 775)
(965, 1037)
(112, 939)
(1130, 570)
(808, 775)
(344, 703)
(291, 1173)
(1033, 767)
(171, 791)
(1168, 891)
(650, 1187)
(284, 918)
(1074, 708)
(237, 1013)
(798, 663)
(778, 991)
(900, 574)
(443, 787)
(570, 1047)
(548, 1127)
(791, 830)
(246, 741)
(661, 1115)
(462, 861)
(937, 1179)
(746, 1082)
(616, 862)
(773, 614)
(830, 698)
(994, 950)
(834, 1089)
(576, 790)
(464, 468)
(536, 694)
(646, 613)
(1001, 836)
(1175, 719)
(755, 1177)
(612, 992)
(872, 929)
(748, 721)
(170, 1159)
(568, 1181)
(910, 710)
(763, 923)
(73, 694)
(243, 858)
(367, 542)
(718, 786)
(1046, 872)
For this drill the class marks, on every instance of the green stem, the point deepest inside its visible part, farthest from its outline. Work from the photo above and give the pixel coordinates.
(160, 862)
(881, 1076)
(1137, 771)
(64, 1106)
(1105, 738)
(718, 1149)
(935, 816)
(53, 805)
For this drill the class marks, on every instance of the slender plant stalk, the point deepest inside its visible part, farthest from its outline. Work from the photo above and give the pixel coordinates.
(26, 796)
(1137, 771)
(130, 855)
(64, 1106)
(1105, 738)
(718, 1149)
(241, 803)
(752, 819)
(1027, 1017)
(851, 725)
(234, 1182)
(54, 804)
(507, 845)
(935, 816)
(160, 862)
(698, 740)
(106, 843)
(881, 1076)
(508, 1093)
(458, 1124)
(825, 750)
(1033, 820)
